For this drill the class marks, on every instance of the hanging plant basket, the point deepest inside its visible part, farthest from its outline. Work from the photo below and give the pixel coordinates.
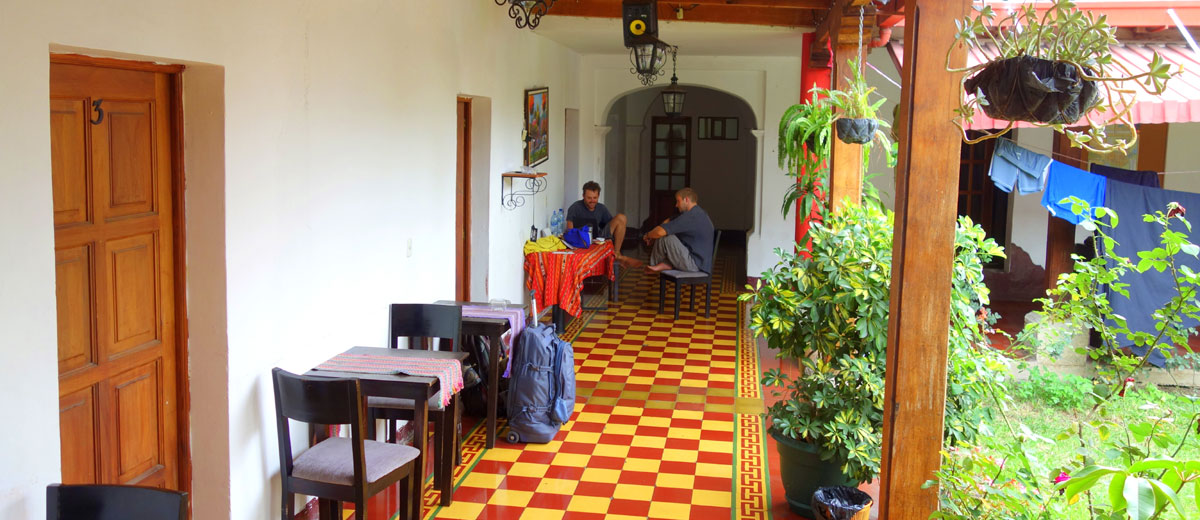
(1034, 90)
(856, 131)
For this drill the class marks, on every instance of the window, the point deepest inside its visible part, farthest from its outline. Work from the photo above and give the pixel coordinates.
(720, 128)
(979, 198)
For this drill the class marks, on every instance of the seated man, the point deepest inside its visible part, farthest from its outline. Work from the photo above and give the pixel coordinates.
(684, 242)
(590, 212)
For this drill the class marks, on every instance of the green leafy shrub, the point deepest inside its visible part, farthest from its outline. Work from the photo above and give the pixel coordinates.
(1065, 391)
(1118, 467)
(830, 313)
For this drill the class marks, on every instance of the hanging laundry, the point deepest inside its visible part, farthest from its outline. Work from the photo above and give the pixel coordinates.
(1148, 291)
(1015, 166)
(1139, 177)
(1064, 180)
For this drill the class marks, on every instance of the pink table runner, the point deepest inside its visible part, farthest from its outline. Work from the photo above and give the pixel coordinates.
(448, 371)
(516, 323)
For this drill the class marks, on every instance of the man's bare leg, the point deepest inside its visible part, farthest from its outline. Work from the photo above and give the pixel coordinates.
(617, 228)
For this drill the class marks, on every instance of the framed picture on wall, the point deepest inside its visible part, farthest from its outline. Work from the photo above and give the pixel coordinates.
(537, 126)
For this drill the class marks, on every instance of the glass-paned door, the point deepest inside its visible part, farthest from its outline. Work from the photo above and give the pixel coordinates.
(670, 164)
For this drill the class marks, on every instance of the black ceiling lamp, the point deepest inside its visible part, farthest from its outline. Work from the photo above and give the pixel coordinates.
(527, 13)
(648, 58)
(672, 96)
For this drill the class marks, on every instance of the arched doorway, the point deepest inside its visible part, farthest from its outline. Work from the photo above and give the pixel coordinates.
(709, 147)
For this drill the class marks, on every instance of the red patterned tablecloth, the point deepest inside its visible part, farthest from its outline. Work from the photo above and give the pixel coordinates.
(556, 278)
(448, 371)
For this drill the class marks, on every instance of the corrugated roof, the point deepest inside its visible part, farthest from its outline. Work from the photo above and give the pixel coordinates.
(1179, 104)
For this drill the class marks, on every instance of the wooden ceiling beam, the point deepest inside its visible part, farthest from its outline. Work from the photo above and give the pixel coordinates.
(843, 15)
(782, 4)
(718, 11)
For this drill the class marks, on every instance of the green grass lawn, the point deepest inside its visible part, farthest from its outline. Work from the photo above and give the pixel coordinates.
(1033, 408)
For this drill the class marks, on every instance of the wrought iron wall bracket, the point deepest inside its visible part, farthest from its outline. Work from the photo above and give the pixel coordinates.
(535, 183)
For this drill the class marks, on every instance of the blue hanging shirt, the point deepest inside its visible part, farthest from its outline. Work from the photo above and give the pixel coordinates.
(1064, 181)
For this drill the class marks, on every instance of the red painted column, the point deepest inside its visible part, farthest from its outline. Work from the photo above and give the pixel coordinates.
(811, 75)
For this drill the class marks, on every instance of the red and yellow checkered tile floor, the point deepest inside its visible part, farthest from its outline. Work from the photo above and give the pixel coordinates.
(667, 422)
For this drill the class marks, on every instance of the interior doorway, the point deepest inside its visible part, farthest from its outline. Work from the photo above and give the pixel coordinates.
(117, 191)
(670, 164)
(462, 213)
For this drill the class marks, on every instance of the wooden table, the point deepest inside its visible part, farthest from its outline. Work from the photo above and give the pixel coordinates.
(419, 389)
(491, 328)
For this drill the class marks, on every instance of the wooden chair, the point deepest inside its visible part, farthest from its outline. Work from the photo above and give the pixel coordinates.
(113, 502)
(680, 278)
(424, 324)
(338, 469)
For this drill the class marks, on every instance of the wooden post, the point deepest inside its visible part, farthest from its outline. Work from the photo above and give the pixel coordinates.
(846, 160)
(926, 203)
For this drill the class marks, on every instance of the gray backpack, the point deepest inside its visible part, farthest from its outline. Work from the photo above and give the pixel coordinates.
(541, 393)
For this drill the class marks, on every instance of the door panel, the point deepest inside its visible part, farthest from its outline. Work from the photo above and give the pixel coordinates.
(115, 267)
(130, 154)
(138, 419)
(77, 425)
(73, 277)
(135, 312)
(68, 153)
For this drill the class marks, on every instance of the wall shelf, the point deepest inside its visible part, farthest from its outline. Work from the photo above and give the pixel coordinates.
(534, 183)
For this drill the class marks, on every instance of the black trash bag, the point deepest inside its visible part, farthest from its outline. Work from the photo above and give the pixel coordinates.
(856, 131)
(1031, 89)
(840, 503)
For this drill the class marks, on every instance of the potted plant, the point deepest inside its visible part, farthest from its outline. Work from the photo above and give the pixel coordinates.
(829, 312)
(856, 113)
(804, 151)
(1051, 70)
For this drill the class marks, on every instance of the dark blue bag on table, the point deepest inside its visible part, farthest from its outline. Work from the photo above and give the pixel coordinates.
(541, 393)
(578, 238)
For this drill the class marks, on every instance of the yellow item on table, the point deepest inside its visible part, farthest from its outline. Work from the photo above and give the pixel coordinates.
(545, 244)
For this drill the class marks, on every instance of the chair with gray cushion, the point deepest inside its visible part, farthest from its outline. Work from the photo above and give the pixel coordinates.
(114, 502)
(337, 469)
(426, 326)
(681, 278)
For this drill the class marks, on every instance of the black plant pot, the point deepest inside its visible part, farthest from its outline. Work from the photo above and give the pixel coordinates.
(856, 131)
(803, 472)
(1034, 90)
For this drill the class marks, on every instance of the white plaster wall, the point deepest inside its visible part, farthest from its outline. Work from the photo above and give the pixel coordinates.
(768, 85)
(1183, 156)
(320, 143)
(880, 175)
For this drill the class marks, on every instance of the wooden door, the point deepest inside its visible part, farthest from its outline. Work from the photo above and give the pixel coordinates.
(670, 164)
(462, 214)
(111, 156)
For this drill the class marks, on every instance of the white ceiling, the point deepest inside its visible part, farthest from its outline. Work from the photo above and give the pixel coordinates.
(603, 36)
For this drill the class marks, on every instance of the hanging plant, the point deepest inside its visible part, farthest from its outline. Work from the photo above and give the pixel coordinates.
(856, 113)
(804, 152)
(1054, 70)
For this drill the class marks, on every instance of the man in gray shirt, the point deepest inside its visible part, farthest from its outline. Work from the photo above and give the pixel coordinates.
(683, 243)
(590, 212)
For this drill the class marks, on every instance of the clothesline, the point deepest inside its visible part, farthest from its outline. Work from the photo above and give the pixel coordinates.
(1073, 158)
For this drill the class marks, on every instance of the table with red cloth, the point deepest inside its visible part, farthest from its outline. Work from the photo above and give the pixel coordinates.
(556, 277)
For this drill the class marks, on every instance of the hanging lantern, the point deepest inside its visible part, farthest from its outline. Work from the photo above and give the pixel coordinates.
(527, 13)
(648, 59)
(672, 96)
